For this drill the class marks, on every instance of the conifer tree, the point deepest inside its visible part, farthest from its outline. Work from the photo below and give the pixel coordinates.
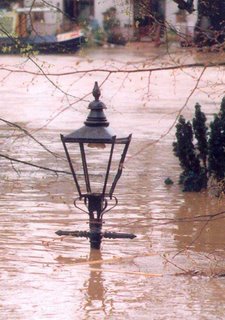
(193, 177)
(206, 159)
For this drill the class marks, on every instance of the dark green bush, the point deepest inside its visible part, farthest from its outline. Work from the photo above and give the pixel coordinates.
(201, 150)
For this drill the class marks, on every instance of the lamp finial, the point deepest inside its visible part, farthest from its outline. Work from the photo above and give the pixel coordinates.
(96, 91)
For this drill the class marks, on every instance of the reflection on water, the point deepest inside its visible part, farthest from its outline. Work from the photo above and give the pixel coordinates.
(95, 295)
(43, 276)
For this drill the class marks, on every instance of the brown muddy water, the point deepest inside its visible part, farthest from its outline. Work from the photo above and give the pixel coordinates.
(170, 270)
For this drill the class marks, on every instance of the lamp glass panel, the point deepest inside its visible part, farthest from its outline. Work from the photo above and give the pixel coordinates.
(76, 161)
(97, 159)
(118, 151)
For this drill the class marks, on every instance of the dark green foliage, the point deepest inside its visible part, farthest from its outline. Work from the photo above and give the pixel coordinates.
(200, 132)
(216, 159)
(184, 147)
(205, 159)
(193, 177)
(111, 25)
(110, 20)
(194, 181)
(168, 181)
(222, 110)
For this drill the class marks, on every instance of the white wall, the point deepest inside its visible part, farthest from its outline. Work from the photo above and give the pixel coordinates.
(172, 8)
(53, 19)
(57, 3)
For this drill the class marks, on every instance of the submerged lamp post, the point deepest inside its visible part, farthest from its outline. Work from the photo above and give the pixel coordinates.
(96, 169)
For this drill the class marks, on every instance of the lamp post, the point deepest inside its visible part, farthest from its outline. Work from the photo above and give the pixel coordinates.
(96, 169)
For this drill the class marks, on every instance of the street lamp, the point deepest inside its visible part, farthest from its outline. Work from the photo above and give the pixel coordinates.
(96, 169)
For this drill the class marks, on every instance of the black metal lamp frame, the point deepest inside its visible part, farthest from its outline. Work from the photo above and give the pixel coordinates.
(95, 131)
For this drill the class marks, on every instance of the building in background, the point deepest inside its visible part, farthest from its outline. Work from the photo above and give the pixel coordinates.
(131, 12)
(133, 15)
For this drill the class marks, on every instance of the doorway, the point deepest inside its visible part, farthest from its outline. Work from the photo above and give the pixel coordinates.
(78, 10)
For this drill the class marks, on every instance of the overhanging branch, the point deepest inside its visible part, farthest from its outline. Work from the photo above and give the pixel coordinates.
(113, 71)
(34, 165)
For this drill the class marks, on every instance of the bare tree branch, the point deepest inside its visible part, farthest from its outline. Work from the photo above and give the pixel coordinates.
(113, 71)
(34, 165)
(11, 124)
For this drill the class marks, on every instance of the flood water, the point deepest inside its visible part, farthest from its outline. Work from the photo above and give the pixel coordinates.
(171, 269)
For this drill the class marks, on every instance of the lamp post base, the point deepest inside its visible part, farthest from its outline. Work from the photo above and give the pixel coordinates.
(95, 233)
